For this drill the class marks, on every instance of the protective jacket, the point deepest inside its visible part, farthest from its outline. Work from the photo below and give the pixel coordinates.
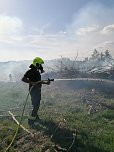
(33, 74)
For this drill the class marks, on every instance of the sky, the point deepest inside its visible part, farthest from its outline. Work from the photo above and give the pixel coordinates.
(53, 28)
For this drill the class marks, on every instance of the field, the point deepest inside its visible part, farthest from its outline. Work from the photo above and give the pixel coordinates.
(73, 119)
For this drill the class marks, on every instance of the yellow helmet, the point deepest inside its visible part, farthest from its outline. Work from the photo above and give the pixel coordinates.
(37, 60)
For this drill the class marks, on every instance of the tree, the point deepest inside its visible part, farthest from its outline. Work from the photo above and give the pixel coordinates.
(107, 54)
(95, 54)
(102, 55)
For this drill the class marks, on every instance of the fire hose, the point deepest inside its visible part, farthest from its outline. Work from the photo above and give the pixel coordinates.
(76, 79)
(21, 117)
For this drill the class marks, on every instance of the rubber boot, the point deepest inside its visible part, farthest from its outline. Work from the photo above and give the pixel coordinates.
(38, 119)
(30, 122)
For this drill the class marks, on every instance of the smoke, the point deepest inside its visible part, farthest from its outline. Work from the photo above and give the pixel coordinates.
(16, 69)
(92, 27)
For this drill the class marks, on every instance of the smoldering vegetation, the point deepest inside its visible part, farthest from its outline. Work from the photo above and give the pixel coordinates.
(77, 112)
(101, 85)
(14, 93)
(74, 117)
(100, 65)
(15, 69)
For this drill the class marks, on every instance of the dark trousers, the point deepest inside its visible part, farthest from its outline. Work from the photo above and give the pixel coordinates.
(35, 98)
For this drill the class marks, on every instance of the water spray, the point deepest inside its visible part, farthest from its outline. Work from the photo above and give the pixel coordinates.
(84, 79)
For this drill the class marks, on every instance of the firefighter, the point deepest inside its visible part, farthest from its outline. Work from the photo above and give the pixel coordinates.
(32, 76)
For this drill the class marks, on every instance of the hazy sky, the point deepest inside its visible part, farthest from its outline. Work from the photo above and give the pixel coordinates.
(54, 28)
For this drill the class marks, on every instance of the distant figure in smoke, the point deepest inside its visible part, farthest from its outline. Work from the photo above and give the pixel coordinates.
(10, 77)
(32, 76)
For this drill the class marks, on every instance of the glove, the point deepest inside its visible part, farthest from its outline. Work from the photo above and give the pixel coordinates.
(48, 82)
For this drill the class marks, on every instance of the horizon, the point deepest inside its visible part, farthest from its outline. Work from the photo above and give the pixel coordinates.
(71, 59)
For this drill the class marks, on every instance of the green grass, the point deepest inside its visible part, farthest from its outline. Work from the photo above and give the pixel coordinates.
(62, 112)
